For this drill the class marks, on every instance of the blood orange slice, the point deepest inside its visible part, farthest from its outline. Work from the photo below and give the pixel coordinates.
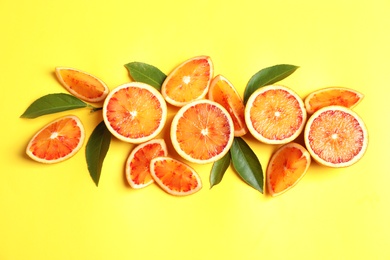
(336, 136)
(188, 82)
(135, 112)
(224, 93)
(82, 84)
(175, 177)
(275, 114)
(286, 168)
(57, 141)
(202, 131)
(138, 162)
(332, 96)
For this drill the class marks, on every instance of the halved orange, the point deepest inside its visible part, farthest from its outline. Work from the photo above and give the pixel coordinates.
(336, 136)
(286, 168)
(332, 96)
(135, 112)
(224, 93)
(57, 141)
(82, 84)
(202, 131)
(188, 82)
(138, 163)
(275, 114)
(175, 177)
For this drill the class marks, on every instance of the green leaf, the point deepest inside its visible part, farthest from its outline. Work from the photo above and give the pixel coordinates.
(96, 150)
(218, 170)
(246, 164)
(53, 103)
(146, 73)
(268, 76)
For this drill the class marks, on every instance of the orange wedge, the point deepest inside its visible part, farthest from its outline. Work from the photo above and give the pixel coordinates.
(332, 96)
(188, 82)
(275, 114)
(138, 162)
(224, 93)
(135, 112)
(82, 84)
(286, 168)
(175, 177)
(57, 141)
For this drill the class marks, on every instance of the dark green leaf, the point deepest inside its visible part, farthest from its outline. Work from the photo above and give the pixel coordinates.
(146, 73)
(218, 170)
(96, 150)
(268, 76)
(53, 103)
(246, 163)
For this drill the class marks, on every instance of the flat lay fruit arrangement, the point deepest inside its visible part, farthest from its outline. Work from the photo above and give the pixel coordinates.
(210, 122)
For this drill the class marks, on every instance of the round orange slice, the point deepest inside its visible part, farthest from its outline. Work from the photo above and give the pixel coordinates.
(202, 131)
(82, 84)
(57, 141)
(138, 162)
(286, 168)
(135, 112)
(188, 82)
(275, 114)
(224, 93)
(175, 177)
(336, 136)
(332, 96)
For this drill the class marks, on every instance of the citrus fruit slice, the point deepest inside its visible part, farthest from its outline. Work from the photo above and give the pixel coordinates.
(175, 177)
(332, 96)
(188, 82)
(275, 114)
(135, 112)
(202, 131)
(138, 162)
(286, 168)
(82, 84)
(57, 141)
(336, 136)
(224, 93)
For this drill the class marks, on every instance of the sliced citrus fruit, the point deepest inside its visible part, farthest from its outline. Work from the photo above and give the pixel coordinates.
(188, 82)
(138, 162)
(332, 96)
(275, 114)
(286, 168)
(82, 84)
(336, 136)
(224, 93)
(175, 177)
(135, 112)
(57, 141)
(202, 131)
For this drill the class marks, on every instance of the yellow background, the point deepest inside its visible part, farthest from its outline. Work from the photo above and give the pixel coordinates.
(56, 211)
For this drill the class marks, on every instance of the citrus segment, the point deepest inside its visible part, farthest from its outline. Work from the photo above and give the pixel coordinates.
(286, 168)
(135, 112)
(57, 141)
(332, 96)
(202, 131)
(138, 162)
(224, 93)
(188, 82)
(82, 84)
(275, 114)
(336, 136)
(175, 177)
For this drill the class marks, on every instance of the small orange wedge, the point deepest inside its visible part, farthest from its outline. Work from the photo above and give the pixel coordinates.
(188, 82)
(224, 93)
(82, 84)
(332, 96)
